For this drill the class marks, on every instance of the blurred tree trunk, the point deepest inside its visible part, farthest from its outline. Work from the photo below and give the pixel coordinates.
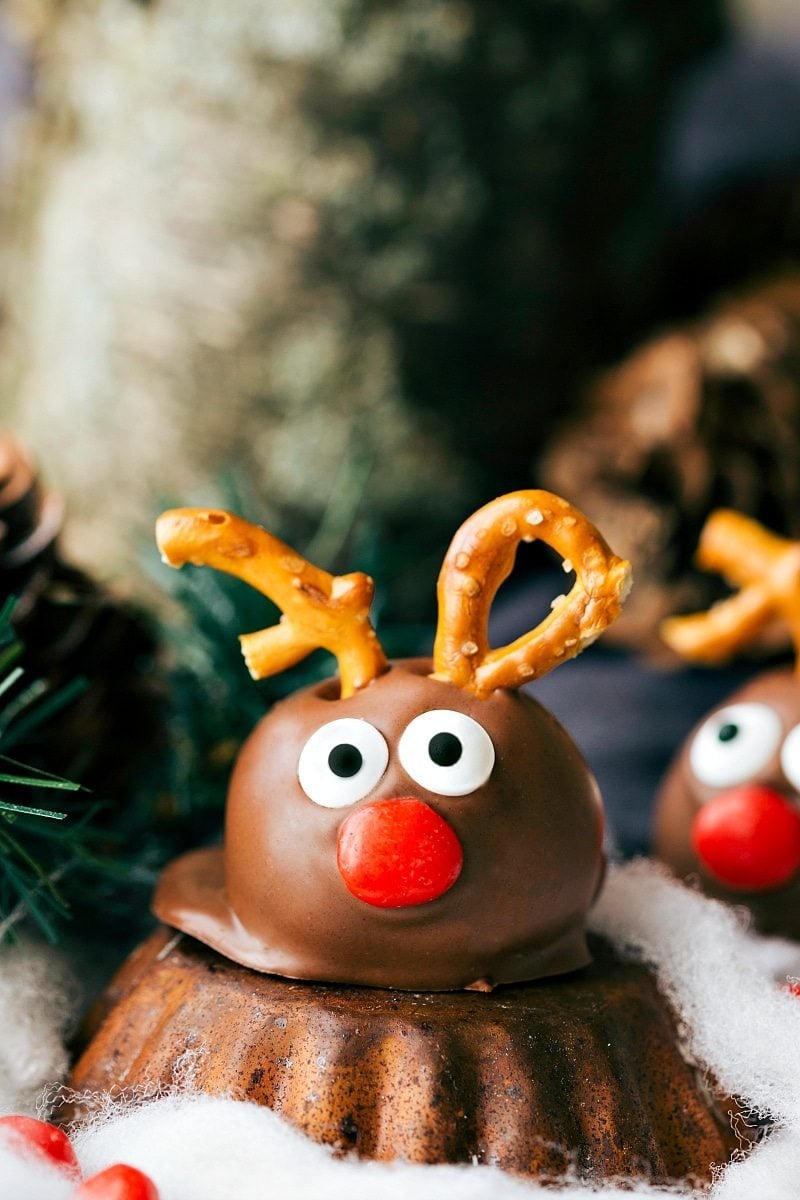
(333, 242)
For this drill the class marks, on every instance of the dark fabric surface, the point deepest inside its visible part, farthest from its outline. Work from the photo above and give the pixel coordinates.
(736, 117)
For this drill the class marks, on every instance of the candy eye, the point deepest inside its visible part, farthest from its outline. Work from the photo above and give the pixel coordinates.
(734, 744)
(790, 757)
(446, 752)
(341, 762)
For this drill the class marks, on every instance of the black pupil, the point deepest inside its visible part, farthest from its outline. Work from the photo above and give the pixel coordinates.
(445, 749)
(728, 732)
(345, 760)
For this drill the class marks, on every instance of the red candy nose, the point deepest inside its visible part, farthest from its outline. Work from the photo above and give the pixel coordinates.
(398, 852)
(748, 838)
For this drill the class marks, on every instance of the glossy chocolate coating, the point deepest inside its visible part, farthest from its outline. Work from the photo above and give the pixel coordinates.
(274, 899)
(777, 910)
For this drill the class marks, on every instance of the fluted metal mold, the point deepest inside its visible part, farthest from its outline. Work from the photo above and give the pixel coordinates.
(580, 1073)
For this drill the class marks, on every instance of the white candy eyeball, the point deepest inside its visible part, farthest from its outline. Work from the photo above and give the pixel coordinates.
(341, 762)
(734, 744)
(446, 752)
(790, 757)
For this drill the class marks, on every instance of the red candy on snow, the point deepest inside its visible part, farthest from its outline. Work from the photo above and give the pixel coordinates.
(398, 852)
(748, 838)
(42, 1139)
(119, 1182)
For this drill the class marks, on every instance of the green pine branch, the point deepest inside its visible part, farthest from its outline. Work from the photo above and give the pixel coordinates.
(39, 844)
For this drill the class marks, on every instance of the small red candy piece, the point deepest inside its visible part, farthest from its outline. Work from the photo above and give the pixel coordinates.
(42, 1139)
(748, 838)
(119, 1182)
(399, 852)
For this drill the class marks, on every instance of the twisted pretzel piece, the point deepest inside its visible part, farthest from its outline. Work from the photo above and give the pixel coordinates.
(318, 609)
(481, 557)
(767, 570)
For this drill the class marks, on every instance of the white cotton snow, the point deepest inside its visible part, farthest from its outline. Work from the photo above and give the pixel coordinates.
(38, 1002)
(734, 1021)
(214, 1149)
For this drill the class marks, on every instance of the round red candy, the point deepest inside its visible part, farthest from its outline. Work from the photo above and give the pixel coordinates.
(398, 852)
(119, 1182)
(748, 838)
(42, 1139)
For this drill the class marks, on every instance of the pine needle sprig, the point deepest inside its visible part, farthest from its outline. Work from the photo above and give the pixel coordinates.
(39, 844)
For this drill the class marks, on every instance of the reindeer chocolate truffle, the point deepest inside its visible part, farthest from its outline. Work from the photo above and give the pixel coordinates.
(729, 809)
(415, 825)
(425, 827)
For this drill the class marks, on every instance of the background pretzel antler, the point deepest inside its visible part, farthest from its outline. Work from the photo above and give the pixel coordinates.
(481, 557)
(319, 610)
(767, 570)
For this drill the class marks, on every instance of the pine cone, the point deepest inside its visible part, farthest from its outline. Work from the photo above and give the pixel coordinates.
(73, 629)
(707, 415)
(29, 523)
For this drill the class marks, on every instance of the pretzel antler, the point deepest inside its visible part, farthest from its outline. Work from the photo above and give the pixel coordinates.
(319, 609)
(482, 555)
(767, 570)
